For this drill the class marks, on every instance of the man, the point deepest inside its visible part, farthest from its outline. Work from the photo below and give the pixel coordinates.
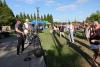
(20, 37)
(95, 40)
(61, 29)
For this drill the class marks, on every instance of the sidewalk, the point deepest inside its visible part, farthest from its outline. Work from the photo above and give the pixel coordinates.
(8, 57)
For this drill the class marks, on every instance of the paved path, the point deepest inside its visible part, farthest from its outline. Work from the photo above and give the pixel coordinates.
(8, 57)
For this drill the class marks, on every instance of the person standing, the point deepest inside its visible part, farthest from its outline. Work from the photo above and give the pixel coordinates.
(61, 29)
(71, 33)
(87, 32)
(95, 40)
(20, 37)
(26, 28)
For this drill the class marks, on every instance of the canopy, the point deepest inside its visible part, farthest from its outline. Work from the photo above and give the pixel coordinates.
(39, 22)
(46, 22)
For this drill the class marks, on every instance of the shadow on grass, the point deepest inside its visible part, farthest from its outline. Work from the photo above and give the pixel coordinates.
(56, 41)
(77, 48)
(83, 44)
(63, 60)
(56, 57)
(85, 55)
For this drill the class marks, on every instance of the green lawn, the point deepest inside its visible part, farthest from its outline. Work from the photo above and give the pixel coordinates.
(58, 53)
(80, 34)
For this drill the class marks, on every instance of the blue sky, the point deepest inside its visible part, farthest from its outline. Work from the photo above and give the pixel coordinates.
(62, 10)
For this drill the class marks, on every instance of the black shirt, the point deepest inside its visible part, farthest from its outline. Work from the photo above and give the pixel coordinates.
(61, 29)
(19, 26)
(95, 36)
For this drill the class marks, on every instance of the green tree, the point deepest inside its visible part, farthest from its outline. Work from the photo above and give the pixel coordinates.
(51, 19)
(94, 17)
(41, 17)
(31, 17)
(24, 15)
(28, 16)
(34, 16)
(6, 14)
(45, 18)
(0, 3)
(48, 17)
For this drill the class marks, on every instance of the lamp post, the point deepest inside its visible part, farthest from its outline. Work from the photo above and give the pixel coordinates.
(37, 18)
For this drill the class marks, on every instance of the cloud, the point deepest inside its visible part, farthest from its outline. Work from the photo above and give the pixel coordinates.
(60, 20)
(73, 6)
(80, 12)
(67, 7)
(29, 1)
(49, 2)
(81, 1)
(17, 6)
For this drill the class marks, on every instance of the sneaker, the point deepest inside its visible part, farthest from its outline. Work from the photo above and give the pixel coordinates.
(28, 59)
(18, 54)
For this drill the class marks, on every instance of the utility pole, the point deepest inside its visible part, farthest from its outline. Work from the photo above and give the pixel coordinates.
(37, 18)
(37, 13)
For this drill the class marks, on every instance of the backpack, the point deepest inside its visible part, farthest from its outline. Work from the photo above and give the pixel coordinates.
(38, 52)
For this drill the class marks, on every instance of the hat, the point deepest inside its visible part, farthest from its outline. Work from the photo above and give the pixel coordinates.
(27, 20)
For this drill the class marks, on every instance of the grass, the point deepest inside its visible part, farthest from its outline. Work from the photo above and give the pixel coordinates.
(80, 34)
(58, 53)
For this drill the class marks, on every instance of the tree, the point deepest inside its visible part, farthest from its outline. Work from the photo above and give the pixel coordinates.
(34, 16)
(1, 3)
(6, 14)
(94, 17)
(31, 17)
(4, 3)
(48, 17)
(45, 18)
(28, 16)
(41, 17)
(24, 15)
(51, 19)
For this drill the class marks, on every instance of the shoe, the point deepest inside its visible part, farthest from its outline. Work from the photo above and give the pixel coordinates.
(28, 59)
(18, 53)
(22, 50)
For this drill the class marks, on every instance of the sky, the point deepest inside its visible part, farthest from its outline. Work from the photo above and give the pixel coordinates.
(62, 10)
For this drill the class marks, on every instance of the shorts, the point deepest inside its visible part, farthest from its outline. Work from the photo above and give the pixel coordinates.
(95, 46)
(61, 33)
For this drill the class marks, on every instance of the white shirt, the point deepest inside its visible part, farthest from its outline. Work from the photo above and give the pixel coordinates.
(26, 27)
(71, 28)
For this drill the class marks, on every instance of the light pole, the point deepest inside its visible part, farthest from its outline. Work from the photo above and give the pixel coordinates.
(37, 18)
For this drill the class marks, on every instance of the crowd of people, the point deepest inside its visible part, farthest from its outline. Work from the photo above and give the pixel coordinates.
(91, 32)
(61, 30)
